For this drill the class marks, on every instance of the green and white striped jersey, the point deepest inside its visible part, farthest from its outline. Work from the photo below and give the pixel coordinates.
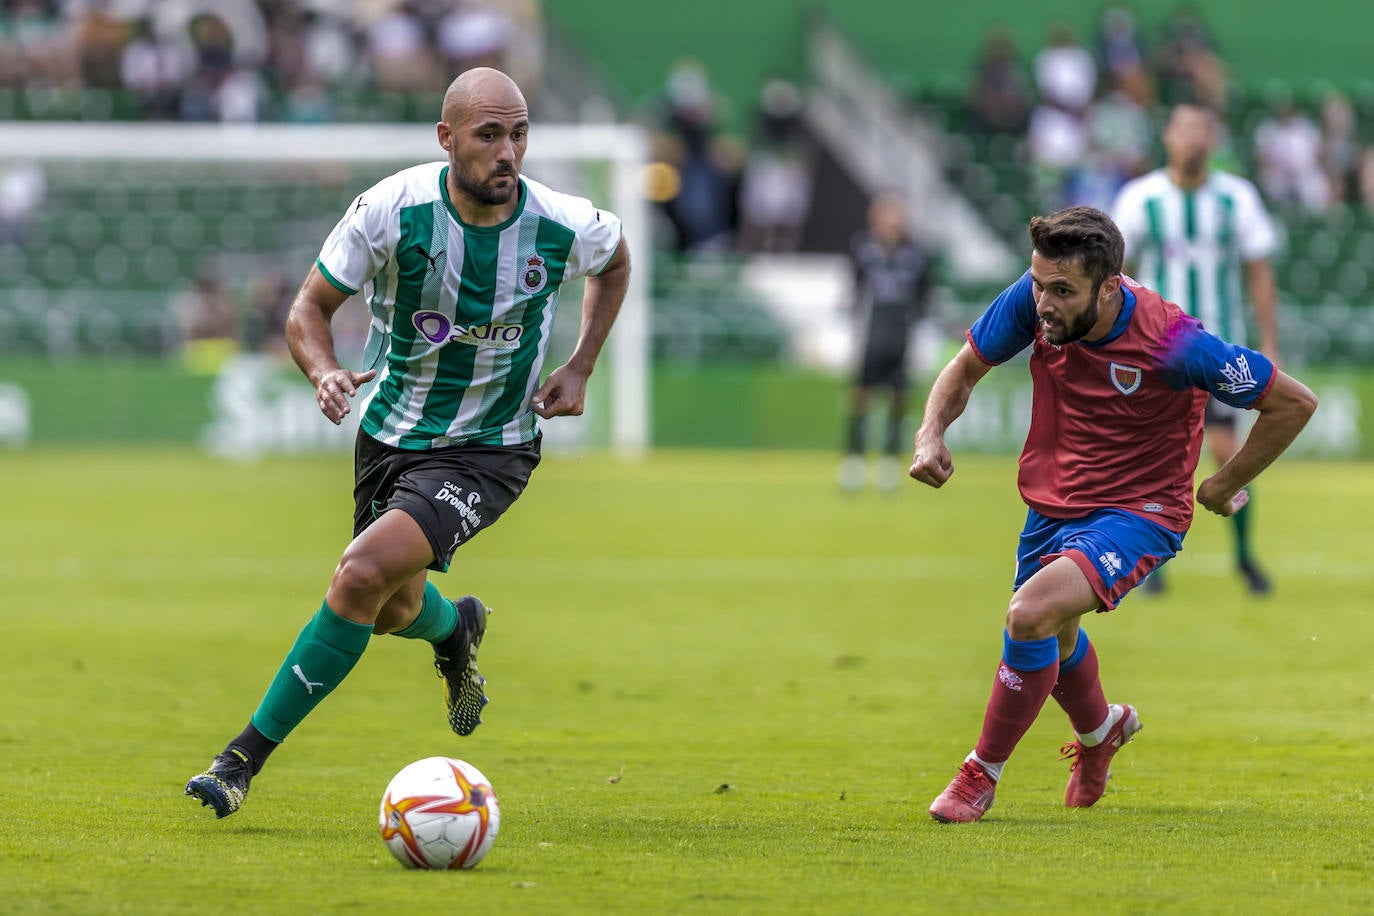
(1189, 246)
(461, 314)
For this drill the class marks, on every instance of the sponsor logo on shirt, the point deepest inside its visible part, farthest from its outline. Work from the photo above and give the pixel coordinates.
(1239, 379)
(533, 275)
(1152, 507)
(436, 328)
(1125, 379)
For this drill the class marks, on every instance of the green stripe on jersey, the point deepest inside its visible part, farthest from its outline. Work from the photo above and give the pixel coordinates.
(1152, 207)
(1190, 233)
(552, 244)
(450, 368)
(416, 281)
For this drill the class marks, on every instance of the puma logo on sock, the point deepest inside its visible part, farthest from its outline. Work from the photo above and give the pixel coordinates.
(309, 684)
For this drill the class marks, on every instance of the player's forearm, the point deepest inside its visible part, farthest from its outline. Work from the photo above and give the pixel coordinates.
(310, 339)
(1282, 415)
(601, 303)
(1264, 300)
(948, 396)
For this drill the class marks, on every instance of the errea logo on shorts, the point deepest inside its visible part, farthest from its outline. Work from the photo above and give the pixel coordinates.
(436, 328)
(1112, 563)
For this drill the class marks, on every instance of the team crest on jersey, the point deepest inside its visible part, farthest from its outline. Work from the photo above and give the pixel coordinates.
(1125, 379)
(533, 275)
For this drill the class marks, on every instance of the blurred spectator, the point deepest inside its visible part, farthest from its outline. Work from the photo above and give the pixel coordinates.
(475, 33)
(100, 41)
(1120, 49)
(35, 49)
(23, 188)
(1340, 148)
(775, 187)
(1119, 138)
(1065, 72)
(1057, 141)
(271, 294)
(999, 98)
(152, 71)
(702, 211)
(1187, 66)
(1288, 147)
(398, 50)
(1121, 56)
(209, 320)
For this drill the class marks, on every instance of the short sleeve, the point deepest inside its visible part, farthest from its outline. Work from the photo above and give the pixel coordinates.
(1256, 236)
(598, 237)
(358, 247)
(1194, 358)
(1008, 326)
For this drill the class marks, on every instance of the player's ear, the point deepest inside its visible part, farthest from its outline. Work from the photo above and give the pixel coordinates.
(1109, 288)
(445, 136)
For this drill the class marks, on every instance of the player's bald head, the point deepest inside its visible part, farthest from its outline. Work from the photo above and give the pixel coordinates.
(480, 87)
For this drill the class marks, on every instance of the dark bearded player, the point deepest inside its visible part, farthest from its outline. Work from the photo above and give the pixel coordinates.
(1120, 379)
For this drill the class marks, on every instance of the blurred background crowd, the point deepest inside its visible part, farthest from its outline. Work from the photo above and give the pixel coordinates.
(751, 172)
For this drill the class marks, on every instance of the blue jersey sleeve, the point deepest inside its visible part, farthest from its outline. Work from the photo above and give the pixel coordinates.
(1008, 326)
(1194, 358)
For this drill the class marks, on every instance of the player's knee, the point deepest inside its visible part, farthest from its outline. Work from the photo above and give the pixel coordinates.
(1029, 619)
(360, 576)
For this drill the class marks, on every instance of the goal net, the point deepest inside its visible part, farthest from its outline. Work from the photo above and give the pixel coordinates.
(104, 228)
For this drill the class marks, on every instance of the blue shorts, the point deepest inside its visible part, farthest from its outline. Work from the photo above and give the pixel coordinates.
(1115, 549)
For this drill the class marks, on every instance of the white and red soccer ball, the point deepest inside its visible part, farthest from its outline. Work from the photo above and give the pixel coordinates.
(439, 813)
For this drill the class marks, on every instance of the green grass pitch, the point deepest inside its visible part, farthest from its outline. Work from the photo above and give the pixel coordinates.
(717, 686)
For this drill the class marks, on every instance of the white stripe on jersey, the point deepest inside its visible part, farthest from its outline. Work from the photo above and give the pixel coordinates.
(1199, 267)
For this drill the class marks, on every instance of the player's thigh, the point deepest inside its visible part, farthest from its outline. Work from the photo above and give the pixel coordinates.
(458, 493)
(1116, 550)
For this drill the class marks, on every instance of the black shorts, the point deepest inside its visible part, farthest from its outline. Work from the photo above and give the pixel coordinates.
(1219, 413)
(452, 493)
(883, 365)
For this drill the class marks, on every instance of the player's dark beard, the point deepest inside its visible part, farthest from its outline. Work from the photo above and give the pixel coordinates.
(1081, 325)
(482, 192)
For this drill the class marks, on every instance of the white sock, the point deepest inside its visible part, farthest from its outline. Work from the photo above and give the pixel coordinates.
(1099, 734)
(994, 770)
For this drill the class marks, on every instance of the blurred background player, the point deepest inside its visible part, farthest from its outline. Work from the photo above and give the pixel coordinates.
(891, 283)
(1191, 233)
(1120, 377)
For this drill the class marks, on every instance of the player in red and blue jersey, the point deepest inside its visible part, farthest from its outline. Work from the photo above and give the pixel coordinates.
(1120, 379)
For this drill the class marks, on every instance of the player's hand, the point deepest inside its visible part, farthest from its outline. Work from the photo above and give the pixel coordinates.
(931, 463)
(1215, 499)
(334, 389)
(563, 394)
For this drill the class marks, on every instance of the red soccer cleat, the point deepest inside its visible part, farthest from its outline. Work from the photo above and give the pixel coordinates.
(1091, 767)
(966, 797)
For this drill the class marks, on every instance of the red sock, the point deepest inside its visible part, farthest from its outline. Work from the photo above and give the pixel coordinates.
(1079, 692)
(1017, 697)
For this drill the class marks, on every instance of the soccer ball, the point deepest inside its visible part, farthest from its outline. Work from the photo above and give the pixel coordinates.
(439, 813)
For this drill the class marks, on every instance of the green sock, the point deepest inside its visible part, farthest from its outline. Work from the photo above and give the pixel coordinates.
(324, 653)
(437, 619)
(1242, 522)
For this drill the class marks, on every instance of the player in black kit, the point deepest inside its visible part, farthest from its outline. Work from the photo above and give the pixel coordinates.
(891, 274)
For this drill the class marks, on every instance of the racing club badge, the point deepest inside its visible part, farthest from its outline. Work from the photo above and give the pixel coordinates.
(533, 275)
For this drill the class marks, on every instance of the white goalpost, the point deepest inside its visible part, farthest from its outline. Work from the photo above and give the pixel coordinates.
(86, 164)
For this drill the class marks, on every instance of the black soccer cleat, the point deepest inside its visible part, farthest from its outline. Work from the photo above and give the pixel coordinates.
(223, 786)
(456, 661)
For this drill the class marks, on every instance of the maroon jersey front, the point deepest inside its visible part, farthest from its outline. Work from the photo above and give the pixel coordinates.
(1117, 423)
